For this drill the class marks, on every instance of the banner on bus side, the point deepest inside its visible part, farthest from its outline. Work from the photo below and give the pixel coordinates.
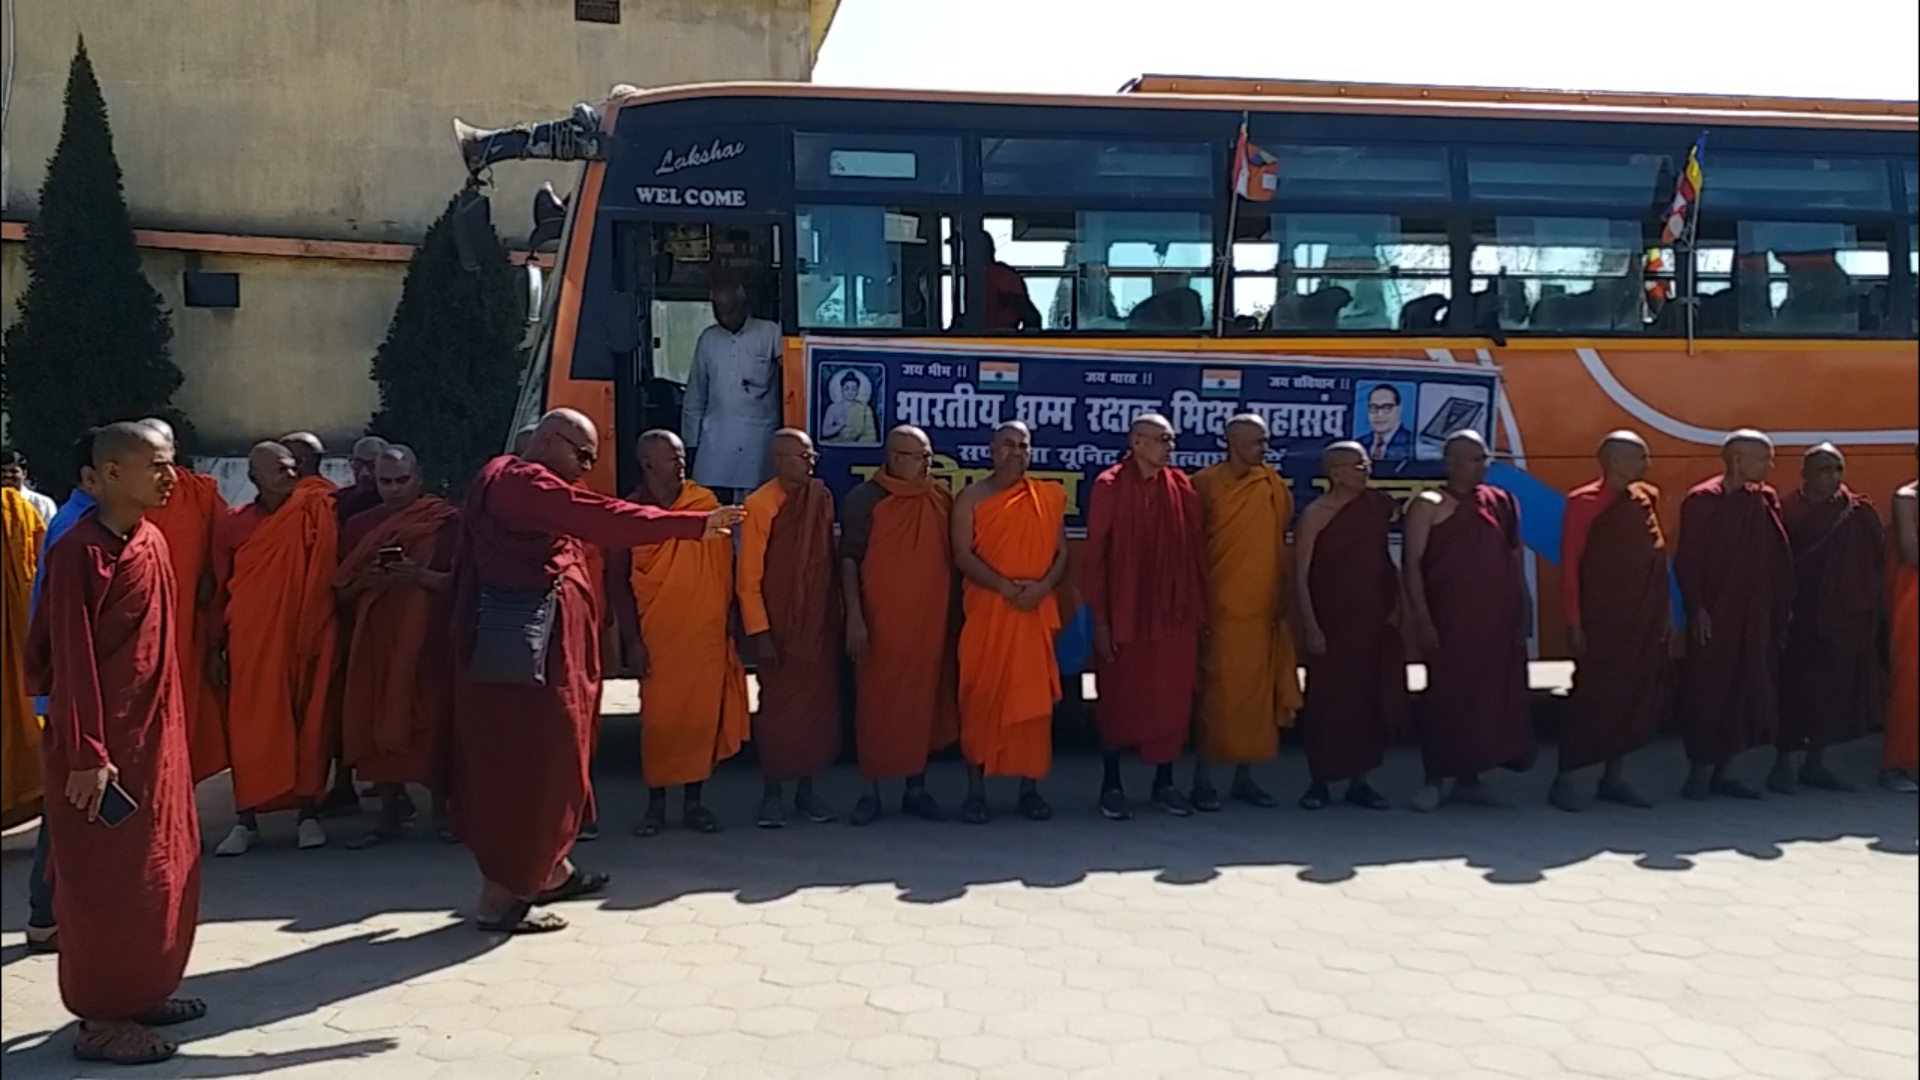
(1081, 403)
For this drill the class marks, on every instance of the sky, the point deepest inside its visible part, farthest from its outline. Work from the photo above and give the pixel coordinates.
(1854, 48)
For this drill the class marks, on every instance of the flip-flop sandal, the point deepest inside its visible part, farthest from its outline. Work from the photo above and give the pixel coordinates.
(1034, 808)
(974, 811)
(522, 919)
(372, 838)
(580, 883)
(122, 1046)
(702, 820)
(1314, 799)
(173, 1011)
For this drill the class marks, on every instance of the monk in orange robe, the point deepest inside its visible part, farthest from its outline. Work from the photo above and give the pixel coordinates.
(1467, 590)
(1010, 543)
(897, 576)
(790, 609)
(1250, 679)
(527, 630)
(126, 837)
(1735, 570)
(1832, 687)
(1900, 759)
(672, 602)
(1614, 592)
(395, 576)
(21, 531)
(342, 798)
(188, 520)
(1348, 593)
(273, 565)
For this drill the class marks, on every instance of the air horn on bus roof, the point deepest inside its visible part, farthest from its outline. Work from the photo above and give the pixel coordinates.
(574, 138)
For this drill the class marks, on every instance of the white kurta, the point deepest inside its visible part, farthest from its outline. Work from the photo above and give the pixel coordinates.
(732, 406)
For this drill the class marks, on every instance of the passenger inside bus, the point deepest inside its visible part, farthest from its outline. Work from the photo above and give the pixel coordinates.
(1008, 305)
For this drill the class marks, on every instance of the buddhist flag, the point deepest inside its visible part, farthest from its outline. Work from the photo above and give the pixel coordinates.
(1256, 173)
(1679, 215)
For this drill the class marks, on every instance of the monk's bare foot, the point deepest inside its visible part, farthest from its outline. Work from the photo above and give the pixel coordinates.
(1730, 787)
(588, 833)
(121, 1044)
(1033, 807)
(1113, 805)
(814, 809)
(1621, 793)
(1817, 776)
(1781, 780)
(1361, 794)
(1565, 794)
(1316, 798)
(519, 918)
(700, 819)
(917, 802)
(173, 1011)
(974, 811)
(651, 824)
(866, 811)
(1251, 794)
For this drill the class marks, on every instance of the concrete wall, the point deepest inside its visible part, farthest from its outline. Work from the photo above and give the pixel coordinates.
(331, 119)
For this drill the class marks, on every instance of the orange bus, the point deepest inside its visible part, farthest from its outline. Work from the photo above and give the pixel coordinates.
(1429, 259)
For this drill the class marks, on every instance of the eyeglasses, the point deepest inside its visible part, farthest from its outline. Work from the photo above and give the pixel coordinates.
(1382, 407)
(586, 455)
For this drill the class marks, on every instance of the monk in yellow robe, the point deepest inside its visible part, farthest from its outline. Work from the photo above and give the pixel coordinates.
(1010, 543)
(21, 531)
(188, 520)
(1250, 681)
(671, 602)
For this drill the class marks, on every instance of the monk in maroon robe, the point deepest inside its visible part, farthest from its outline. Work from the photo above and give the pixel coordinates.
(1146, 586)
(1348, 593)
(1736, 579)
(790, 609)
(1614, 590)
(125, 838)
(1467, 589)
(1832, 687)
(524, 720)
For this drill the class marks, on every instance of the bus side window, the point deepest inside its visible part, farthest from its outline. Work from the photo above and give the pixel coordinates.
(1112, 271)
(874, 268)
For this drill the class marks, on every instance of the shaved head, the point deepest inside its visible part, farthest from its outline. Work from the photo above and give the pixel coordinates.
(658, 437)
(1246, 438)
(1463, 439)
(1749, 437)
(118, 442)
(793, 456)
(909, 453)
(1348, 467)
(566, 442)
(160, 426)
(1825, 450)
(1344, 450)
(400, 452)
(1150, 441)
(396, 472)
(1149, 422)
(1624, 458)
(1012, 449)
(307, 450)
(273, 470)
(1249, 420)
(132, 469)
(523, 439)
(366, 451)
(1466, 456)
(663, 463)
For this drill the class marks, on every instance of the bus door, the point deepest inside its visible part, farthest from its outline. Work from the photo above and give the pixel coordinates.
(670, 267)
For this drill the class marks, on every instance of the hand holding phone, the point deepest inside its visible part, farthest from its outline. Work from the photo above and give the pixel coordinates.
(387, 556)
(116, 806)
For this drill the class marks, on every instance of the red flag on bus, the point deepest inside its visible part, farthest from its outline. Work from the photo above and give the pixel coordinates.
(1256, 173)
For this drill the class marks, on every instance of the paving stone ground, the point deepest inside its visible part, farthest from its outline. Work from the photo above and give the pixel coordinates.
(1721, 941)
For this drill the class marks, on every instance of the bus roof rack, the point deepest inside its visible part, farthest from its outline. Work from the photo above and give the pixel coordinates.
(1204, 85)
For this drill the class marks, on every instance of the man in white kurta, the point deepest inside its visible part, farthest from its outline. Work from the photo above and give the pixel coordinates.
(732, 405)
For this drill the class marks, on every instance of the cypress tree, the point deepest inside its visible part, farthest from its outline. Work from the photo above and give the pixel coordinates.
(449, 369)
(91, 343)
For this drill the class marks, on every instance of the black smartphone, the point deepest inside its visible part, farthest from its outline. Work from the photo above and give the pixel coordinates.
(116, 806)
(387, 556)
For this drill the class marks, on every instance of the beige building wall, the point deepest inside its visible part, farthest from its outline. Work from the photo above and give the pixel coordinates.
(331, 119)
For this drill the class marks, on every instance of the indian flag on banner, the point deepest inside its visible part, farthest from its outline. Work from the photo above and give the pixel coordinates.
(999, 375)
(1220, 383)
